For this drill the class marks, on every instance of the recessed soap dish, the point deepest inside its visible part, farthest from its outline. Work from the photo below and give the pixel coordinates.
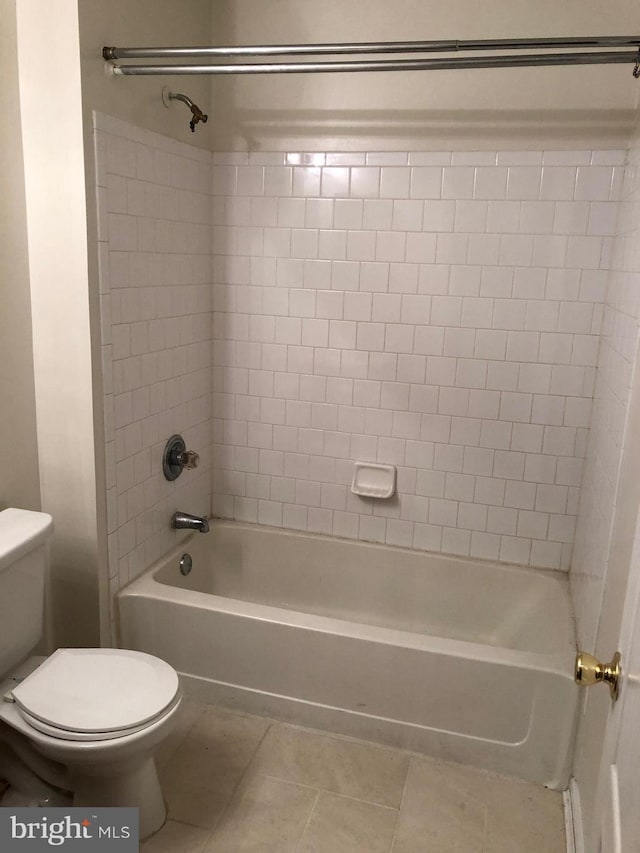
(371, 480)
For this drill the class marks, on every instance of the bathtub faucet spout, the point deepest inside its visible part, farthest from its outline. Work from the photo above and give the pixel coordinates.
(186, 521)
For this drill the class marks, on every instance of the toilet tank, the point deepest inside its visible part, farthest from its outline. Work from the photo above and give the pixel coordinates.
(23, 560)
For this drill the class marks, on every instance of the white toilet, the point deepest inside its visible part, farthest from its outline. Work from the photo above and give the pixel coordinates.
(99, 713)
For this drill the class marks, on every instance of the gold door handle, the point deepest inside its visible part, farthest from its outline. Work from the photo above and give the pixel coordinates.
(590, 671)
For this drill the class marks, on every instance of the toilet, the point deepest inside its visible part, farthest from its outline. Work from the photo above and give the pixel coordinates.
(87, 720)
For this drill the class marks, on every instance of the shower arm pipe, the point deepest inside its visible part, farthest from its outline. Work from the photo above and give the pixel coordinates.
(425, 64)
(437, 46)
(196, 113)
(185, 99)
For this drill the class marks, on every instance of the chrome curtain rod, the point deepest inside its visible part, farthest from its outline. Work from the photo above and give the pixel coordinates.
(440, 46)
(425, 64)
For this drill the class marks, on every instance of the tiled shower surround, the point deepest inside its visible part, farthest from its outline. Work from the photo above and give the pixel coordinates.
(613, 396)
(437, 311)
(154, 231)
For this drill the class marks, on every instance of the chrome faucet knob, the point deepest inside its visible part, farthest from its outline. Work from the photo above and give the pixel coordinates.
(176, 458)
(189, 459)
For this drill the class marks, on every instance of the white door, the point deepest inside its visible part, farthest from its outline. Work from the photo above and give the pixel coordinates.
(619, 789)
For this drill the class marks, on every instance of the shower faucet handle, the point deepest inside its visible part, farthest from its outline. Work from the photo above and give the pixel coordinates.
(176, 458)
(189, 459)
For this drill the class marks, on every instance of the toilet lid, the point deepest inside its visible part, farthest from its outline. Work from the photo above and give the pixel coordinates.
(66, 734)
(97, 690)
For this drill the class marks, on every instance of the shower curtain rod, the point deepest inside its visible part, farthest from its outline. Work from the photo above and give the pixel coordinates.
(424, 64)
(438, 46)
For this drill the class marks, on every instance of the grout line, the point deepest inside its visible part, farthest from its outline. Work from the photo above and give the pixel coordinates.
(313, 808)
(332, 735)
(242, 778)
(485, 824)
(294, 784)
(255, 752)
(330, 791)
(360, 800)
(404, 791)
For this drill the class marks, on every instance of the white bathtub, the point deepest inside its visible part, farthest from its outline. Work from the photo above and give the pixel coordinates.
(456, 658)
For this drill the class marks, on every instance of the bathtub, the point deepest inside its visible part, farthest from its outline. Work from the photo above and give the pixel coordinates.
(456, 658)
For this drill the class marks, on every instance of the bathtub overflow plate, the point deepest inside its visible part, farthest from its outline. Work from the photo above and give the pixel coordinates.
(186, 564)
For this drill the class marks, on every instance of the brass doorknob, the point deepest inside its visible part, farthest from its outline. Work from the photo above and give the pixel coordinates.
(590, 671)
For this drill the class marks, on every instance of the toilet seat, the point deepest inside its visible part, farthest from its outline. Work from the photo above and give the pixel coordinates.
(65, 734)
(96, 694)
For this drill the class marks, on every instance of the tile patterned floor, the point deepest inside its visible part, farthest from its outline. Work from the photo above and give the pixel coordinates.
(236, 783)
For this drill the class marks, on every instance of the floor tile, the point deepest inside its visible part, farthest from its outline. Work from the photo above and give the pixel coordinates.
(176, 838)
(265, 815)
(442, 810)
(200, 778)
(450, 808)
(523, 818)
(352, 768)
(241, 784)
(342, 825)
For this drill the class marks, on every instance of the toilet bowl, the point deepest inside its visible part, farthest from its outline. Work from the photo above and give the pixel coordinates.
(86, 720)
(100, 713)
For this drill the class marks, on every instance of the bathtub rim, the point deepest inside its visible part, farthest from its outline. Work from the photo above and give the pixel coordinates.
(561, 575)
(558, 662)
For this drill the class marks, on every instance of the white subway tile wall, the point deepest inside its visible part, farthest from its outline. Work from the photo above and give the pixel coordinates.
(438, 311)
(615, 381)
(155, 268)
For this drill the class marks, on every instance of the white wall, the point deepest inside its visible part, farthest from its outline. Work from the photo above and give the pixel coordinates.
(63, 305)
(137, 99)
(56, 229)
(587, 107)
(19, 480)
